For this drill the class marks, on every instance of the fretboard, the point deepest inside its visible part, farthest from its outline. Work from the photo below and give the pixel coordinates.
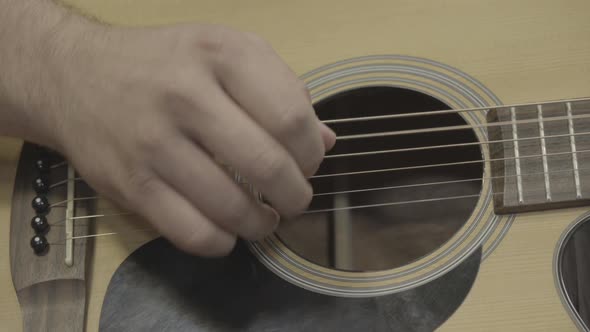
(541, 157)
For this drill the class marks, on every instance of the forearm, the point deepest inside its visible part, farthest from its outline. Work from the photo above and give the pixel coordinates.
(34, 47)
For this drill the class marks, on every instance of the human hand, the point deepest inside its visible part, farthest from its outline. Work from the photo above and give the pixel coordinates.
(146, 115)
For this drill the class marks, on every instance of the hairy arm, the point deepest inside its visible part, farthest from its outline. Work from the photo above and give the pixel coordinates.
(31, 49)
(160, 107)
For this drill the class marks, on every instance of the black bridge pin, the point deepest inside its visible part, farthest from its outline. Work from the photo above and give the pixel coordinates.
(39, 244)
(42, 164)
(39, 224)
(40, 204)
(41, 184)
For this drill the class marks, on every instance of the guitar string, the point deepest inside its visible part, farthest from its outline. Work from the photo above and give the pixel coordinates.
(459, 127)
(445, 182)
(444, 146)
(92, 216)
(304, 213)
(446, 128)
(440, 112)
(406, 132)
(58, 204)
(61, 203)
(427, 200)
(59, 183)
(466, 162)
(59, 164)
(77, 237)
(450, 111)
(436, 129)
(394, 203)
(62, 182)
(392, 187)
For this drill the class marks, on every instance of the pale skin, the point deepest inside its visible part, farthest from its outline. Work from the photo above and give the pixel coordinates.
(146, 115)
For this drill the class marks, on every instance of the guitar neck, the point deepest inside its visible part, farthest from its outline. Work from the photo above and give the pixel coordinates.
(540, 155)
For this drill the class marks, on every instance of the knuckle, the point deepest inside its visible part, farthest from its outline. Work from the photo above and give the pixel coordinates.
(149, 136)
(211, 40)
(180, 107)
(304, 90)
(256, 40)
(141, 186)
(293, 119)
(270, 166)
(221, 44)
(301, 86)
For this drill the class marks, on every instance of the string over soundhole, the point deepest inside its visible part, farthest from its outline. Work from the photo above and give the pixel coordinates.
(394, 188)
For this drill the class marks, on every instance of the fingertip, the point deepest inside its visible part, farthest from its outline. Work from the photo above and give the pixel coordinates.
(206, 241)
(222, 247)
(272, 221)
(276, 216)
(328, 136)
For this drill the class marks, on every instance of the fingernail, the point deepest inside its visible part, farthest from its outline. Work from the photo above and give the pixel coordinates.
(277, 217)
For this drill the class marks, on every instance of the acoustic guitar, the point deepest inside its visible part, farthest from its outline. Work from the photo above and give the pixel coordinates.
(456, 197)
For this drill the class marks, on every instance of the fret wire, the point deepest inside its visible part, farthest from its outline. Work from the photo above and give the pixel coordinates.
(516, 156)
(440, 112)
(544, 152)
(570, 123)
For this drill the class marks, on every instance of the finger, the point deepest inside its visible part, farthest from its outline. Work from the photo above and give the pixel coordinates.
(262, 84)
(226, 131)
(192, 173)
(328, 136)
(176, 219)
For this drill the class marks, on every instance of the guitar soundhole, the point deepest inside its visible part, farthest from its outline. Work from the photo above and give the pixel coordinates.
(388, 236)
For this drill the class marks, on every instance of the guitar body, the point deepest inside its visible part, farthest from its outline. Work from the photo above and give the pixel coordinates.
(464, 54)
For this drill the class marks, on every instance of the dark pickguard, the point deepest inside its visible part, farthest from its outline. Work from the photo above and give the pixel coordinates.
(158, 288)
